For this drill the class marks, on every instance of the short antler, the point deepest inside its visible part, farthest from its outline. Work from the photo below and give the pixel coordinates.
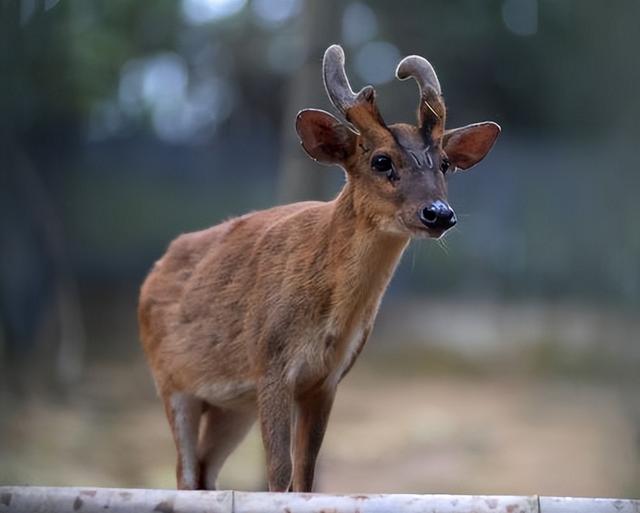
(431, 111)
(336, 81)
(420, 69)
(358, 108)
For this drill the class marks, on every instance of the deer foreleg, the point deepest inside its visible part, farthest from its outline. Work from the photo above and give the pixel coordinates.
(275, 404)
(312, 415)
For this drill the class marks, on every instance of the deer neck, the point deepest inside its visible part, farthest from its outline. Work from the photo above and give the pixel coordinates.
(363, 255)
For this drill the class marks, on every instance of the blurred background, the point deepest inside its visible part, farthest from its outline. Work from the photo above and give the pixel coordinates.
(504, 360)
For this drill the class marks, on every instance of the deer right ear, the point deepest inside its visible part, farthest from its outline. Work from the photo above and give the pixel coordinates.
(468, 145)
(325, 138)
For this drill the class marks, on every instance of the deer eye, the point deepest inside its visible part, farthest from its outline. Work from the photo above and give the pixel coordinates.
(381, 163)
(445, 165)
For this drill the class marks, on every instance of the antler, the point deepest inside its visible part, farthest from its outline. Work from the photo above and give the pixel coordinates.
(358, 108)
(431, 110)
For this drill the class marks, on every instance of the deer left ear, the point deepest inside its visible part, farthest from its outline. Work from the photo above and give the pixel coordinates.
(468, 145)
(325, 138)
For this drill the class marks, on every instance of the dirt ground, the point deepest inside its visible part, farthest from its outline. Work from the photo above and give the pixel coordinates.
(388, 433)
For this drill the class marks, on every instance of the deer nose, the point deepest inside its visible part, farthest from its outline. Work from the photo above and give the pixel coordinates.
(438, 215)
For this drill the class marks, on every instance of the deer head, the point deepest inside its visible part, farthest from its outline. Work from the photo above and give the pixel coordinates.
(397, 171)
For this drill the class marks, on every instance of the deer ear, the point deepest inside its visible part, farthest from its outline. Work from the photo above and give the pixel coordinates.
(468, 145)
(324, 137)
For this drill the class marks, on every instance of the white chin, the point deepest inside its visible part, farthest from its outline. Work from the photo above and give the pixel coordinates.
(395, 228)
(421, 234)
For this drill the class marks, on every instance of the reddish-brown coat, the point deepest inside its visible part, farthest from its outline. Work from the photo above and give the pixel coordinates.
(263, 314)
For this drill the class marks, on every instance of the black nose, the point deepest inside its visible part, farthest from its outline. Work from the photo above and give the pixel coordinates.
(438, 215)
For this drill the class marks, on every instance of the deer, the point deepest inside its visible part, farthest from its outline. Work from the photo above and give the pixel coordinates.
(260, 317)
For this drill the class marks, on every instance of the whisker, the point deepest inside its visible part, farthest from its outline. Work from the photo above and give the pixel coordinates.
(413, 257)
(443, 245)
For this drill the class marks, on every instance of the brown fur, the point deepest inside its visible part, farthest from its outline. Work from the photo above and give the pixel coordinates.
(263, 314)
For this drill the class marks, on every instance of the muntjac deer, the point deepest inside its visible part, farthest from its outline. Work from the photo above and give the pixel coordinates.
(263, 315)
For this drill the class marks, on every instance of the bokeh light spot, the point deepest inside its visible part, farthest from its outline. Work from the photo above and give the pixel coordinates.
(181, 107)
(359, 24)
(165, 80)
(273, 13)
(376, 62)
(197, 12)
(521, 16)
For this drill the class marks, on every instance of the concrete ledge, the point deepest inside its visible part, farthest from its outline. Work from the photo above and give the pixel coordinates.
(31, 499)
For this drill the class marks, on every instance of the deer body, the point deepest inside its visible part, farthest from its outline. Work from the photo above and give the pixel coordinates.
(223, 300)
(262, 315)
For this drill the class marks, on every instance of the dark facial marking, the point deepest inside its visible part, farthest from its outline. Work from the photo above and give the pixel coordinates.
(428, 157)
(415, 159)
(416, 144)
(392, 176)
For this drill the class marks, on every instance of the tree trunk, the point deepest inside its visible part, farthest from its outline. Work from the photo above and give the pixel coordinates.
(300, 178)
